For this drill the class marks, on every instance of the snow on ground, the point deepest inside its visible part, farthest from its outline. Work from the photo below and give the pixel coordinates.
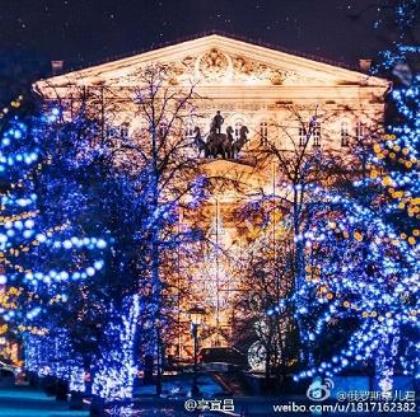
(19, 401)
(26, 402)
(180, 386)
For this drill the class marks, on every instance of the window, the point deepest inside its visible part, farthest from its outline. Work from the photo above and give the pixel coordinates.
(345, 136)
(316, 133)
(264, 133)
(163, 130)
(303, 134)
(124, 131)
(189, 130)
(111, 131)
(308, 131)
(360, 131)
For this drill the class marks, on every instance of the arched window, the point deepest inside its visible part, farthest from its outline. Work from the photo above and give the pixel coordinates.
(308, 131)
(345, 135)
(110, 131)
(264, 132)
(189, 130)
(124, 130)
(303, 134)
(163, 129)
(316, 133)
(360, 130)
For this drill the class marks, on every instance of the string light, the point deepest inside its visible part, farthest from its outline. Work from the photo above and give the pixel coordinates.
(38, 259)
(364, 242)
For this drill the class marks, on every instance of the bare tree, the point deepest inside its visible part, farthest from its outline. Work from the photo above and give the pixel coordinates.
(301, 162)
(267, 278)
(160, 157)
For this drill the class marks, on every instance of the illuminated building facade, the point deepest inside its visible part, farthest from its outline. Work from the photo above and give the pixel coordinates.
(276, 95)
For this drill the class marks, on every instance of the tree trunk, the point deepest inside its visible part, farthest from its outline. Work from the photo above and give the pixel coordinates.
(76, 400)
(385, 363)
(97, 407)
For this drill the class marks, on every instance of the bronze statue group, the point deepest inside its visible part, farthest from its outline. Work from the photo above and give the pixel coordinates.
(218, 143)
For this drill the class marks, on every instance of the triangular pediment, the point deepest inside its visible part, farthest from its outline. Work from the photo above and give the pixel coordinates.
(218, 60)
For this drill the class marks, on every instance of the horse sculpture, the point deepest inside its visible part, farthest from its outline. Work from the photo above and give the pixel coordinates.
(220, 144)
(238, 145)
(200, 143)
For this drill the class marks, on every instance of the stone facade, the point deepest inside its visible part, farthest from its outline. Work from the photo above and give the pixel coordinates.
(250, 84)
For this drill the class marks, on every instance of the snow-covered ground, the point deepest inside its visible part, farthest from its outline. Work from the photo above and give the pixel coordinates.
(18, 401)
(180, 387)
(26, 402)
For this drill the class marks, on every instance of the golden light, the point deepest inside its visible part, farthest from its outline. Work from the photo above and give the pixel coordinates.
(196, 314)
(358, 236)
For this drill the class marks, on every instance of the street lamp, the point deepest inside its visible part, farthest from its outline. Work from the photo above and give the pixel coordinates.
(196, 313)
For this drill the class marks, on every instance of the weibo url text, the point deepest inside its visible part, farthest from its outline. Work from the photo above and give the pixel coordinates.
(351, 407)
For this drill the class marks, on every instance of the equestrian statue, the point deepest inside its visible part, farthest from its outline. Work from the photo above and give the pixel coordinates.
(218, 143)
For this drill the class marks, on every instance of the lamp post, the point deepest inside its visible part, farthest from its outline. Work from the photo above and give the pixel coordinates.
(196, 313)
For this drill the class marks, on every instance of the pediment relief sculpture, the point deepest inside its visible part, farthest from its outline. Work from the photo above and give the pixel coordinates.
(246, 69)
(215, 60)
(215, 66)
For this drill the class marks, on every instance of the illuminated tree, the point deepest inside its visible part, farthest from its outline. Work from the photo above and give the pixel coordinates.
(363, 246)
(361, 290)
(300, 164)
(266, 278)
(98, 199)
(43, 257)
(158, 157)
(117, 366)
(131, 187)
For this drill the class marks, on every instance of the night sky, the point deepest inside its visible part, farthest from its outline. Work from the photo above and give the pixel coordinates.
(83, 32)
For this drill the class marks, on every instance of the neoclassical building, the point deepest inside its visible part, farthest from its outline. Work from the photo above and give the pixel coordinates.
(276, 95)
